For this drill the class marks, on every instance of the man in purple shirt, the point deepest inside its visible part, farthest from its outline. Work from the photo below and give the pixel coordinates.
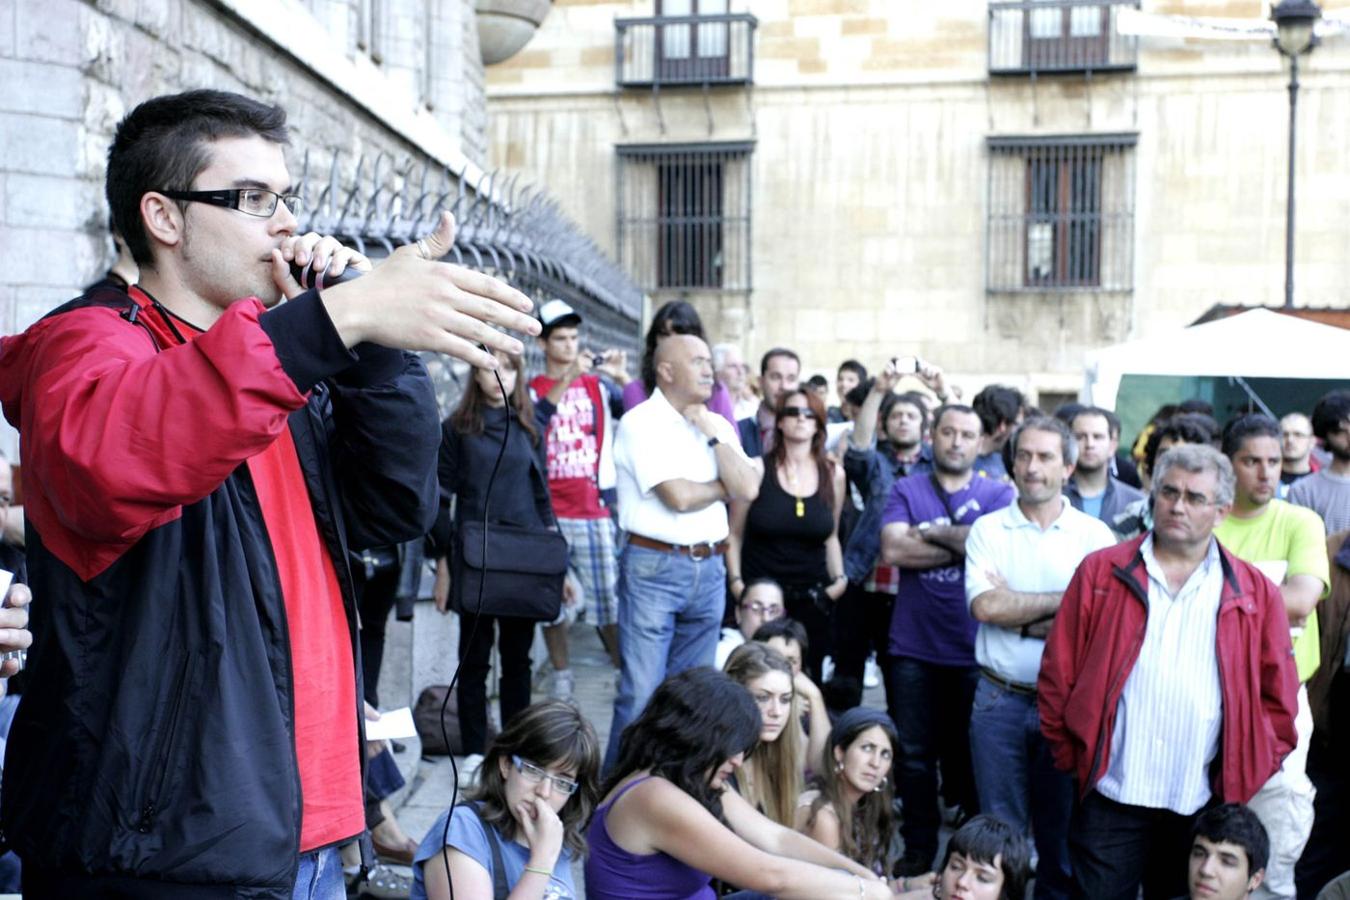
(931, 676)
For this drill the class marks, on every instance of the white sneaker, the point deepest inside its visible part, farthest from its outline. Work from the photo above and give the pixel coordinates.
(826, 669)
(871, 673)
(561, 687)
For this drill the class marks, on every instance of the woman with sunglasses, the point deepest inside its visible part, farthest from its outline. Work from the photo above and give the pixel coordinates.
(520, 829)
(790, 533)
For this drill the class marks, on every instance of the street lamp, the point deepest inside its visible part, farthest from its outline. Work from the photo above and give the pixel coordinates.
(1294, 20)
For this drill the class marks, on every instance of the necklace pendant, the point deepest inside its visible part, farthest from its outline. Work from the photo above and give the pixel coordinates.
(801, 509)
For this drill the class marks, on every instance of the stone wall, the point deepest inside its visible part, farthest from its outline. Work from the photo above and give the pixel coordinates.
(871, 174)
(72, 69)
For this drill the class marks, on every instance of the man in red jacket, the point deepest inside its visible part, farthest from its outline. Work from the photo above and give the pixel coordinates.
(1167, 685)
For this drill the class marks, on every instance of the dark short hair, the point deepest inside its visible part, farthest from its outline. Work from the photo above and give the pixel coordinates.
(1112, 420)
(1068, 445)
(1233, 823)
(760, 581)
(693, 723)
(549, 733)
(986, 838)
(785, 628)
(1185, 428)
(1330, 413)
(953, 408)
(997, 405)
(1239, 430)
(1196, 405)
(852, 365)
(1066, 412)
(672, 317)
(818, 381)
(163, 145)
(778, 351)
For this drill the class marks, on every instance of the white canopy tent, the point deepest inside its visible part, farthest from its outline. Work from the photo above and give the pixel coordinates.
(1254, 344)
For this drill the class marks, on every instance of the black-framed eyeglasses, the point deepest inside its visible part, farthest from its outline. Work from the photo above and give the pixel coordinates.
(801, 412)
(534, 775)
(253, 201)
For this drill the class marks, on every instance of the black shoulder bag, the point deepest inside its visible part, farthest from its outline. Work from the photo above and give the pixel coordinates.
(523, 570)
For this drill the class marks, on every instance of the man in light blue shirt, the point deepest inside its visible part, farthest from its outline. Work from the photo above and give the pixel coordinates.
(1019, 560)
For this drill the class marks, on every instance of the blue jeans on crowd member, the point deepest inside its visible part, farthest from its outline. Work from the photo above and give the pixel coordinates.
(320, 876)
(670, 614)
(1016, 779)
(930, 705)
(382, 775)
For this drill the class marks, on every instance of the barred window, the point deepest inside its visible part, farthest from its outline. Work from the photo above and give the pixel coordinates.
(1061, 213)
(684, 215)
(1029, 36)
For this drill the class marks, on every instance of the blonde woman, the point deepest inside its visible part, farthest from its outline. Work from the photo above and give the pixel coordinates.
(771, 777)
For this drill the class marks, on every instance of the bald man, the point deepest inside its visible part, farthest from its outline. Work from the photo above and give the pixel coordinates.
(678, 465)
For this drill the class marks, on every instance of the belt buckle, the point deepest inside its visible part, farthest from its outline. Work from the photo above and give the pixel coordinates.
(700, 551)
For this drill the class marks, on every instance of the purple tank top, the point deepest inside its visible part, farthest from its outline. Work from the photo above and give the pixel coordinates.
(612, 873)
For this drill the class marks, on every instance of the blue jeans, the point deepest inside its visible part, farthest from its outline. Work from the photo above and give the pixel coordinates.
(320, 876)
(670, 612)
(1017, 781)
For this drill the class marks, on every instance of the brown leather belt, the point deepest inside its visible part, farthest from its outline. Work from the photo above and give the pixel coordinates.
(693, 551)
(1023, 689)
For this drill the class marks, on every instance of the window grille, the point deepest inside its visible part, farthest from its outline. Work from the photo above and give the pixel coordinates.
(1061, 213)
(684, 215)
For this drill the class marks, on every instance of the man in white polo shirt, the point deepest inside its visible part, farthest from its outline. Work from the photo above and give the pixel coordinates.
(1019, 560)
(678, 465)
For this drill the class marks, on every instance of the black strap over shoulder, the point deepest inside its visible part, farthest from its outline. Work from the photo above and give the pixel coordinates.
(500, 889)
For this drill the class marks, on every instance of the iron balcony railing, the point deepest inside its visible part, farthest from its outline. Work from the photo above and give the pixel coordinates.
(677, 51)
(1028, 37)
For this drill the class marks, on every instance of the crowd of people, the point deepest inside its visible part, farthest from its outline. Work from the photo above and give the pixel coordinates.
(1105, 670)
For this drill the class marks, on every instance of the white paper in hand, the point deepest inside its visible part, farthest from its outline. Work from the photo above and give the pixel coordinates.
(392, 725)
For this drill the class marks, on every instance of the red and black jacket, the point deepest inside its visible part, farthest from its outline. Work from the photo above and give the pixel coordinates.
(155, 739)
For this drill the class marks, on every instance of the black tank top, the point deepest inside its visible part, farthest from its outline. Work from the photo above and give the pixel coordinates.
(778, 543)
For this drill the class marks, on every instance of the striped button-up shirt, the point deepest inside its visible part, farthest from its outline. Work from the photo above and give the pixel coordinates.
(1170, 713)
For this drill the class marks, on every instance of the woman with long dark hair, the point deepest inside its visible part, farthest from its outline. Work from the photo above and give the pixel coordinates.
(470, 441)
(527, 812)
(668, 823)
(849, 809)
(790, 533)
(674, 317)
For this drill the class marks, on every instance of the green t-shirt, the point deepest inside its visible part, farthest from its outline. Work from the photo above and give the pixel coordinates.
(1289, 536)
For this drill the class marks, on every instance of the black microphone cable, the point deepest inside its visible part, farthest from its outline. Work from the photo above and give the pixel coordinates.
(477, 617)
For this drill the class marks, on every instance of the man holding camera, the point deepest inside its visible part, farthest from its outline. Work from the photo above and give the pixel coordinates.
(199, 460)
(580, 473)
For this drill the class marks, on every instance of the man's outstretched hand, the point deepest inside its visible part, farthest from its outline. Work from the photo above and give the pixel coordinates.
(412, 302)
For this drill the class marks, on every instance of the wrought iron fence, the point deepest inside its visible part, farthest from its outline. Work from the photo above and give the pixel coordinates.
(684, 215)
(1049, 36)
(670, 51)
(503, 227)
(1061, 213)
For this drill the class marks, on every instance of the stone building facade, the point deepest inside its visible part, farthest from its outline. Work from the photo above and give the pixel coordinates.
(990, 185)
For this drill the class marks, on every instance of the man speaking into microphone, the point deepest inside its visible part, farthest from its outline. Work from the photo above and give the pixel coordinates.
(198, 460)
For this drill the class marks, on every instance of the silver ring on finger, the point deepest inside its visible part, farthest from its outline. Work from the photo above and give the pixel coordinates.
(422, 249)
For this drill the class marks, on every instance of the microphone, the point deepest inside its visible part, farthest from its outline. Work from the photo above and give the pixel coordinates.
(320, 280)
